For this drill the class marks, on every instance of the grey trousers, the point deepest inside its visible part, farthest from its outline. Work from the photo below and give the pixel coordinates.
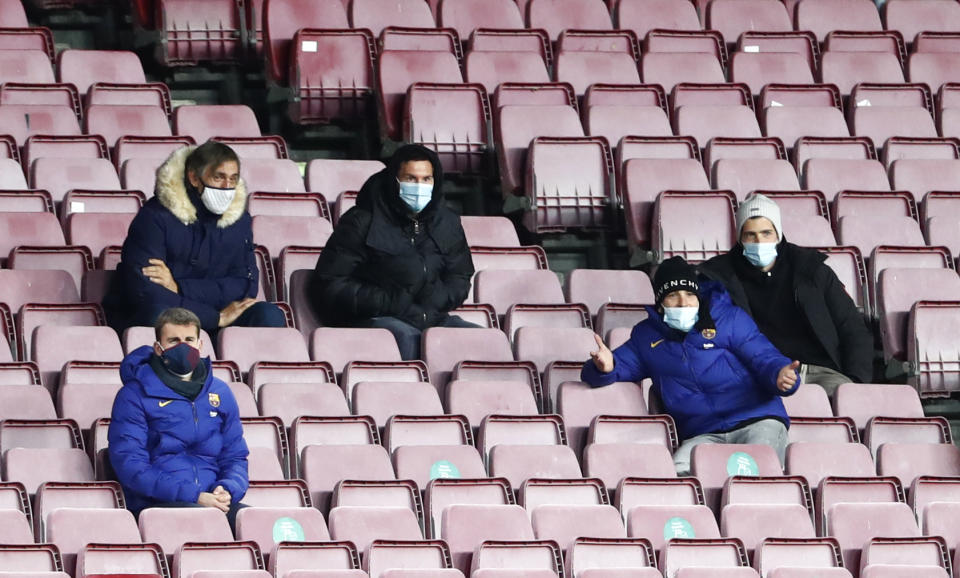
(771, 432)
(828, 379)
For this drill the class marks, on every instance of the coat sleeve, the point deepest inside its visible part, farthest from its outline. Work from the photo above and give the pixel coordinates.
(856, 341)
(336, 288)
(232, 463)
(755, 351)
(628, 365)
(452, 285)
(241, 280)
(130, 460)
(146, 240)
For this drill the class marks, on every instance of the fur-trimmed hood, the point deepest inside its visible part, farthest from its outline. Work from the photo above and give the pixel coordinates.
(172, 192)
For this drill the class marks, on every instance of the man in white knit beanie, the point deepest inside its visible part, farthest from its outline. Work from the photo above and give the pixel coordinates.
(795, 298)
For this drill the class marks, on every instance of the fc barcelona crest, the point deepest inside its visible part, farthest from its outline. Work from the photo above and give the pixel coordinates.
(709, 333)
(214, 399)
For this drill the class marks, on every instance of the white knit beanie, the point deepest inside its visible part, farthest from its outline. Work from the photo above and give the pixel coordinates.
(757, 205)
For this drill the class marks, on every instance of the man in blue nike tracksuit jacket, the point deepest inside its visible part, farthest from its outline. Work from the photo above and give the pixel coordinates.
(175, 436)
(716, 374)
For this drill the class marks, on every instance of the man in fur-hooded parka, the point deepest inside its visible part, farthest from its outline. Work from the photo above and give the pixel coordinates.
(210, 256)
(384, 260)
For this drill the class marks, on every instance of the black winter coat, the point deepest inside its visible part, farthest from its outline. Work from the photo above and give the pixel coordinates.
(384, 261)
(821, 297)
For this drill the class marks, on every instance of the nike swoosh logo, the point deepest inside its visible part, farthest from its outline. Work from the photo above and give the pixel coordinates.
(166, 403)
(655, 343)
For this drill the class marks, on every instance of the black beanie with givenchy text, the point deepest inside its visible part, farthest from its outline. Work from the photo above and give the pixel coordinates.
(674, 274)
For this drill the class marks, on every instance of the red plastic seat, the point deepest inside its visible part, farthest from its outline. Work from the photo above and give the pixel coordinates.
(203, 122)
(375, 15)
(281, 21)
(209, 32)
(83, 68)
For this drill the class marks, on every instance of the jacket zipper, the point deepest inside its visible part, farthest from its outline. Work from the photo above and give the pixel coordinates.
(196, 429)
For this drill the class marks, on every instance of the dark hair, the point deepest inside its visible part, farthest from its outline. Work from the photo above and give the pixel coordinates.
(209, 154)
(176, 316)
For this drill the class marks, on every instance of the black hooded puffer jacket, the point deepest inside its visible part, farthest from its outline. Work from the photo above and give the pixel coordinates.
(384, 261)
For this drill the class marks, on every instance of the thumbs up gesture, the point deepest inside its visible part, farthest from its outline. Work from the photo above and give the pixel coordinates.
(787, 378)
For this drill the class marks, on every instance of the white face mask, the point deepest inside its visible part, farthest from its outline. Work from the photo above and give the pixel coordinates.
(681, 318)
(217, 200)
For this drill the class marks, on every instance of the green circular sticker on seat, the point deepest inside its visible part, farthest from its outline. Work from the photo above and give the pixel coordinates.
(287, 530)
(678, 527)
(443, 469)
(742, 464)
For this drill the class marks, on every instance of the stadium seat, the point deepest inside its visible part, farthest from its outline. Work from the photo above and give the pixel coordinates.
(920, 176)
(907, 461)
(823, 16)
(701, 558)
(375, 15)
(910, 19)
(26, 402)
(26, 66)
(753, 523)
(851, 58)
(883, 111)
(790, 112)
(203, 560)
(71, 530)
(735, 17)
(341, 345)
(895, 301)
(614, 61)
(615, 111)
(705, 111)
(248, 345)
(491, 68)
(516, 126)
(98, 559)
(26, 120)
(283, 18)
(612, 462)
(675, 57)
(555, 17)
(713, 463)
(364, 524)
(267, 526)
(579, 404)
(83, 68)
(519, 463)
(289, 401)
(643, 16)
(402, 558)
(862, 402)
(464, 527)
(52, 346)
(203, 122)
(853, 524)
(398, 69)
(382, 400)
(442, 492)
(33, 466)
(451, 120)
(322, 466)
(661, 523)
(319, 81)
(60, 175)
(800, 559)
(769, 57)
(676, 233)
(565, 523)
(192, 35)
(465, 16)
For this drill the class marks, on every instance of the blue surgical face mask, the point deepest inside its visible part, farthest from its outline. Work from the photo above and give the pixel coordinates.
(681, 318)
(760, 254)
(416, 195)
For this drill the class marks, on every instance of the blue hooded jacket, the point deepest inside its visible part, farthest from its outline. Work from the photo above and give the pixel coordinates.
(707, 383)
(166, 448)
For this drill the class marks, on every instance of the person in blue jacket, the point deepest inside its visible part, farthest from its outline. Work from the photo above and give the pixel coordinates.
(716, 374)
(175, 437)
(191, 246)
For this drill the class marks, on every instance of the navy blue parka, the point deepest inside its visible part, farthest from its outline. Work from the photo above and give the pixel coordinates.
(210, 256)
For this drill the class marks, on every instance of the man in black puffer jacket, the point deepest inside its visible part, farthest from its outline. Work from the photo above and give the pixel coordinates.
(398, 259)
(795, 298)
